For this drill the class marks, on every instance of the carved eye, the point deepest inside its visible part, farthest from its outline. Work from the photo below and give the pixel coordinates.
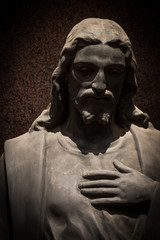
(114, 72)
(85, 71)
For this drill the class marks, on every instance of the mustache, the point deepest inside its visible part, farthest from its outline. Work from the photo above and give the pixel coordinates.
(89, 93)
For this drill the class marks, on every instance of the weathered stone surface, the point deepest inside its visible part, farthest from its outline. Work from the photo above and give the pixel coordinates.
(31, 38)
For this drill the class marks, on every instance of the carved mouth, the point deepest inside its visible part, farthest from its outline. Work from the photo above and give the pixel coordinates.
(98, 98)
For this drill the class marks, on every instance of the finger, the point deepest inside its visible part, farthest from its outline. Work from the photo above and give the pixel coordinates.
(100, 192)
(101, 174)
(98, 184)
(121, 167)
(108, 201)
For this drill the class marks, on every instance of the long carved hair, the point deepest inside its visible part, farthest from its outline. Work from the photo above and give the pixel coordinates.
(92, 31)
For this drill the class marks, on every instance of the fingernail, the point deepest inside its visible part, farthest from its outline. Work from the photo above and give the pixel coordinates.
(83, 191)
(79, 186)
(84, 173)
(117, 161)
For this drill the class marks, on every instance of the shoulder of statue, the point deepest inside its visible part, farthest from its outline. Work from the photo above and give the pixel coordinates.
(25, 147)
(149, 131)
(25, 141)
(24, 161)
(147, 141)
(147, 137)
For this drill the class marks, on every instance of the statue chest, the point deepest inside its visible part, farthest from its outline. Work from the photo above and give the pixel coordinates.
(69, 213)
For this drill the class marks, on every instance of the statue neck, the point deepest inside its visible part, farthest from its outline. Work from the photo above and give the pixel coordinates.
(94, 137)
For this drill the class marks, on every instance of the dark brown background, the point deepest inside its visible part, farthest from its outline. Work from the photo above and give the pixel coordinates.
(32, 35)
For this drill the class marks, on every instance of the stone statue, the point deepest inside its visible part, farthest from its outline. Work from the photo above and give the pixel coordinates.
(89, 167)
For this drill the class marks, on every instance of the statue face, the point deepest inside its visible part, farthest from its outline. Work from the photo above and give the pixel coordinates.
(96, 79)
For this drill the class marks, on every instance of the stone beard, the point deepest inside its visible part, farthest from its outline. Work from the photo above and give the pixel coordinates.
(93, 110)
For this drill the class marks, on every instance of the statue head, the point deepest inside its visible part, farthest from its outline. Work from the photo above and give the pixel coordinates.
(94, 33)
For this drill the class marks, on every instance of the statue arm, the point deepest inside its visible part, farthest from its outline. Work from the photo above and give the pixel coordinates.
(152, 227)
(4, 214)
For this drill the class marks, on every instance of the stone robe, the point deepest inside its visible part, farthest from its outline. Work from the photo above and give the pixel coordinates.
(40, 173)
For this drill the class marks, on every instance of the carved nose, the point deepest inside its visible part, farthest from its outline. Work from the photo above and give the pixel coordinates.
(99, 83)
(99, 86)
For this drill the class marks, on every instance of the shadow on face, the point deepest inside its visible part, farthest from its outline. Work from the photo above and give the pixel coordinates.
(96, 79)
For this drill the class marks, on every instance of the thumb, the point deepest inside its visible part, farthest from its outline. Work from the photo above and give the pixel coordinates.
(121, 167)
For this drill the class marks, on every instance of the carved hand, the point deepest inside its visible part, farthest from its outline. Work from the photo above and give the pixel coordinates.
(125, 186)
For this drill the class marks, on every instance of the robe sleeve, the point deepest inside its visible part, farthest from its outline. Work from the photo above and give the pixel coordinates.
(152, 226)
(4, 212)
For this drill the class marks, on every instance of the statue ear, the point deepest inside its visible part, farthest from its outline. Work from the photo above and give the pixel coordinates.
(128, 91)
(125, 104)
(127, 112)
(130, 84)
(59, 100)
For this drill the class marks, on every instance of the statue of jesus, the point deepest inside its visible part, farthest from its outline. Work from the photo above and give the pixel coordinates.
(89, 166)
